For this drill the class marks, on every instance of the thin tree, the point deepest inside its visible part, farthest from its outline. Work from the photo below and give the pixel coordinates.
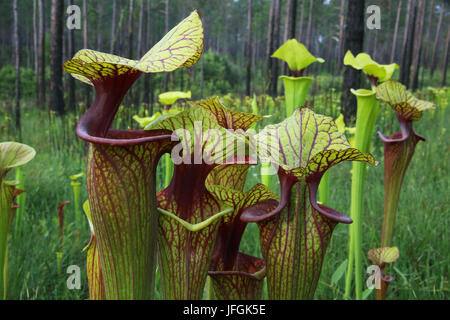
(85, 21)
(397, 23)
(140, 28)
(56, 32)
(353, 41)
(407, 52)
(436, 41)
(289, 26)
(71, 80)
(139, 48)
(130, 30)
(113, 27)
(300, 25)
(35, 49)
(341, 33)
(269, 45)
(16, 58)
(41, 58)
(276, 44)
(309, 29)
(417, 46)
(428, 33)
(148, 90)
(99, 24)
(249, 49)
(444, 75)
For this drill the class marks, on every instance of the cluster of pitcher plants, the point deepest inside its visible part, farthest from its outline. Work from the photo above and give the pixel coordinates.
(193, 227)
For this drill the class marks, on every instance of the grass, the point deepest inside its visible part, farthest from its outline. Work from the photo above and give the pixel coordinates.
(421, 232)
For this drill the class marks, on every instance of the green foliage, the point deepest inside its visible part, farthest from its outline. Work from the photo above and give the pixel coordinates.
(220, 74)
(7, 78)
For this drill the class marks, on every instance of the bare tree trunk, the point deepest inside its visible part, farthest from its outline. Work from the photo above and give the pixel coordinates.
(16, 58)
(308, 30)
(113, 27)
(36, 51)
(353, 41)
(71, 84)
(147, 87)
(141, 22)
(289, 27)
(130, 30)
(428, 33)
(444, 76)
(99, 25)
(436, 41)
(41, 50)
(249, 48)
(85, 19)
(407, 25)
(397, 22)
(56, 31)
(276, 44)
(291, 13)
(139, 54)
(341, 33)
(302, 16)
(269, 47)
(418, 35)
(405, 70)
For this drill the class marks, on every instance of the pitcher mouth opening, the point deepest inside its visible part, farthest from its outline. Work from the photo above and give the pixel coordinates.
(116, 137)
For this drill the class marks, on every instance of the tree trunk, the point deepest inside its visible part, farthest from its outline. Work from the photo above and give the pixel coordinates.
(444, 76)
(426, 56)
(417, 46)
(130, 30)
(407, 26)
(269, 47)
(405, 69)
(308, 30)
(71, 80)
(36, 50)
(16, 58)
(41, 58)
(148, 41)
(99, 25)
(302, 16)
(56, 31)
(249, 49)
(341, 34)
(85, 20)
(141, 22)
(289, 28)
(397, 22)
(353, 41)
(276, 44)
(436, 41)
(113, 27)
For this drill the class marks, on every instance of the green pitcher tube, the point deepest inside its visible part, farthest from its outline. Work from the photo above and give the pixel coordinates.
(295, 91)
(367, 112)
